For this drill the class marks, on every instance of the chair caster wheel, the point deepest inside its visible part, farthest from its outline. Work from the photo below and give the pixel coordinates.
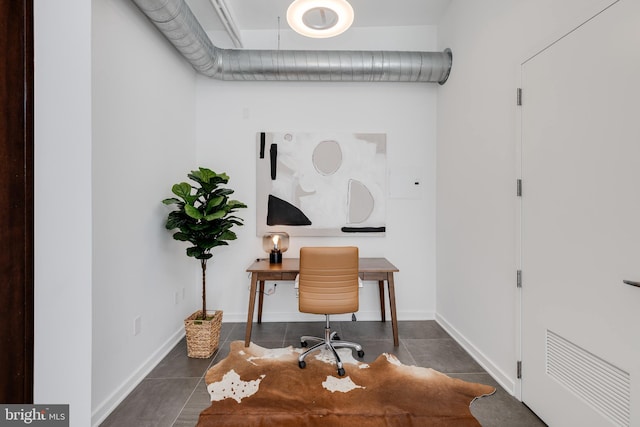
(341, 372)
(303, 344)
(360, 353)
(302, 364)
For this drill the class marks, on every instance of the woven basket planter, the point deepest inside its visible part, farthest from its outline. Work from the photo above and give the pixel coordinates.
(203, 336)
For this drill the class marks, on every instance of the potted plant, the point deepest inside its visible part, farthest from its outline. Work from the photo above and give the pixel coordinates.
(203, 216)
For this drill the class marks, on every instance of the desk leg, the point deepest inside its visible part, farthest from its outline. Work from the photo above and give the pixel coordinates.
(392, 306)
(252, 306)
(260, 301)
(382, 308)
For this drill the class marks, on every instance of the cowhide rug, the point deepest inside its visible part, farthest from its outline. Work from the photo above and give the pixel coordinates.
(254, 386)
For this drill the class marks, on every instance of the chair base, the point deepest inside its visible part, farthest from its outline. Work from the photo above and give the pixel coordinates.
(330, 341)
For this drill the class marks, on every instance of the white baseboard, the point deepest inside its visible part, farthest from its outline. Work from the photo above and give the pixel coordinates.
(507, 382)
(103, 410)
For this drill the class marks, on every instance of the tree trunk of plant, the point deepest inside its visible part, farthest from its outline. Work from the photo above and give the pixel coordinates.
(203, 263)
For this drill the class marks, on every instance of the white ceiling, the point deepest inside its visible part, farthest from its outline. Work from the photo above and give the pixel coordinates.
(263, 14)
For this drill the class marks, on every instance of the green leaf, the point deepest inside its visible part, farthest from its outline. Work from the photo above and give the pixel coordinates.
(171, 201)
(199, 227)
(208, 244)
(215, 215)
(193, 212)
(235, 204)
(183, 237)
(195, 252)
(235, 221)
(215, 202)
(223, 192)
(205, 174)
(176, 219)
(208, 178)
(228, 235)
(182, 190)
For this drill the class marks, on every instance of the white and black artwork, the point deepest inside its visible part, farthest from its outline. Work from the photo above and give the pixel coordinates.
(321, 184)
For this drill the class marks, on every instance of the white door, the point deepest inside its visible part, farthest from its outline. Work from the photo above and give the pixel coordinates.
(581, 224)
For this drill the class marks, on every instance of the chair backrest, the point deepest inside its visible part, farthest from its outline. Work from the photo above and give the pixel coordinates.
(328, 281)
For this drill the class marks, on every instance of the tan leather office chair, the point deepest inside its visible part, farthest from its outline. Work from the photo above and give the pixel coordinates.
(328, 284)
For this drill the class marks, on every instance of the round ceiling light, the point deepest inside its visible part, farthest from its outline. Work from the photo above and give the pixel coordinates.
(320, 18)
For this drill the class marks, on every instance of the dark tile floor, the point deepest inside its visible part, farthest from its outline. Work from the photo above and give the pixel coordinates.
(174, 393)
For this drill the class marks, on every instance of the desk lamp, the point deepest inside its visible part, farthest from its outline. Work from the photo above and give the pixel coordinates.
(275, 244)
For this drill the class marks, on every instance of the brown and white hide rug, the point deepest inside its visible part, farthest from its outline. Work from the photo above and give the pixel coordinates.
(254, 386)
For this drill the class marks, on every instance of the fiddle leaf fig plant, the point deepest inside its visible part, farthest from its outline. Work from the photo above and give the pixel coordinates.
(203, 215)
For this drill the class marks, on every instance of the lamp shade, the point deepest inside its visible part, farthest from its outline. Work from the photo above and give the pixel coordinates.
(277, 241)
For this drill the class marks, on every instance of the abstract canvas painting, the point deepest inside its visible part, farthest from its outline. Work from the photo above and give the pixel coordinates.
(321, 184)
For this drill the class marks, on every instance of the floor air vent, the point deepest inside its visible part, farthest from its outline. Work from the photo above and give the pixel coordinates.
(603, 386)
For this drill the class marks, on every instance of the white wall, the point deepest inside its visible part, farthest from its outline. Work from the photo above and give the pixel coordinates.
(62, 359)
(101, 256)
(143, 140)
(477, 226)
(229, 114)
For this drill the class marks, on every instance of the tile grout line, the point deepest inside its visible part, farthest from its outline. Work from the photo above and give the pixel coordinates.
(201, 379)
(185, 403)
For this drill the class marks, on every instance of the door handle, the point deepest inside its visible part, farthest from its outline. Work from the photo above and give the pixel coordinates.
(632, 283)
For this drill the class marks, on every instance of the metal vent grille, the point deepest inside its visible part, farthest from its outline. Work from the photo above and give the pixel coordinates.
(601, 385)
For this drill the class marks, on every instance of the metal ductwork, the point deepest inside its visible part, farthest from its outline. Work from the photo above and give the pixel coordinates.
(178, 24)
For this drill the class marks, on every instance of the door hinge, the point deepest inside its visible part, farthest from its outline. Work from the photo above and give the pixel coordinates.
(519, 279)
(519, 369)
(519, 188)
(519, 96)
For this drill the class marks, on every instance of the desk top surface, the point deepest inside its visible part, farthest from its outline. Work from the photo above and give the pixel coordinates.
(366, 265)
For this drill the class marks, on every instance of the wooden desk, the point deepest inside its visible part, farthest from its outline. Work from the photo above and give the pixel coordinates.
(379, 269)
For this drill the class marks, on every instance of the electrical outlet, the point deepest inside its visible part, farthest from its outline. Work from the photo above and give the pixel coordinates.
(137, 325)
(176, 297)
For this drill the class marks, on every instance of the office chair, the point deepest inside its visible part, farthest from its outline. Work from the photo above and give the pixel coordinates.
(328, 284)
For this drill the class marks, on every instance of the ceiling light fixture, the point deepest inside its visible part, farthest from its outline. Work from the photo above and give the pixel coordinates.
(320, 18)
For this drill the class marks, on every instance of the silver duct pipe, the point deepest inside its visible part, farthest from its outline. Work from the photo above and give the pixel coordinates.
(176, 21)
